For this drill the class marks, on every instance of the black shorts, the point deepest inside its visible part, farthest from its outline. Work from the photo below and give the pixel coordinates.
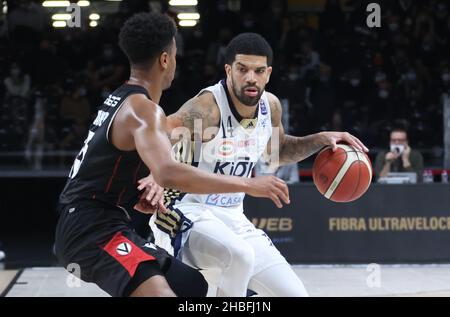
(98, 240)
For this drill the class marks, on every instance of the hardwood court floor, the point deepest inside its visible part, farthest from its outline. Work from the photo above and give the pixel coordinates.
(6, 278)
(319, 280)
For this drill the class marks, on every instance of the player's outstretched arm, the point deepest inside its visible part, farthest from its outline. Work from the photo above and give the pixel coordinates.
(147, 125)
(292, 149)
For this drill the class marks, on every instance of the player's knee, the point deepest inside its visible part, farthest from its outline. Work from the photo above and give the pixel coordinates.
(200, 287)
(153, 287)
(242, 255)
(163, 292)
(186, 281)
(294, 290)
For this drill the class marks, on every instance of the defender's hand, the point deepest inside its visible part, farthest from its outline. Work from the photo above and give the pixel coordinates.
(152, 199)
(270, 187)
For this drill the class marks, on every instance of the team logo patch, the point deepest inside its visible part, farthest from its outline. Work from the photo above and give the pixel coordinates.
(249, 123)
(226, 148)
(263, 107)
(124, 248)
(125, 252)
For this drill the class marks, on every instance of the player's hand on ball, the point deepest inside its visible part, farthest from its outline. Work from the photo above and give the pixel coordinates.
(152, 199)
(269, 187)
(333, 138)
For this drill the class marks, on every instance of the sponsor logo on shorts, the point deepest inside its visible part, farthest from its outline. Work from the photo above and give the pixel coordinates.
(124, 248)
(223, 200)
(128, 254)
(150, 246)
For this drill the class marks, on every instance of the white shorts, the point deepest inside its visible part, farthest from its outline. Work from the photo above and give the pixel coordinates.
(266, 254)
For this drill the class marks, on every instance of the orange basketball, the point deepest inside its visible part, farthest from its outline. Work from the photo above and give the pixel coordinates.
(344, 175)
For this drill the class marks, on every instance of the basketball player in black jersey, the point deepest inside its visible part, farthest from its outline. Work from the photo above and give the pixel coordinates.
(126, 141)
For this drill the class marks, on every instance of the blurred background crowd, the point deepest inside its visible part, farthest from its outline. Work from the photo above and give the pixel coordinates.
(333, 71)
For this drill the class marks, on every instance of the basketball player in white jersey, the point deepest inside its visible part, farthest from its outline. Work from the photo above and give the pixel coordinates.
(236, 119)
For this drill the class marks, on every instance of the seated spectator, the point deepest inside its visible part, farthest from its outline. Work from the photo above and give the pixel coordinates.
(2, 253)
(400, 157)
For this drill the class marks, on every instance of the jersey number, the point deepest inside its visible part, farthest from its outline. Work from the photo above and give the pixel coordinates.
(80, 156)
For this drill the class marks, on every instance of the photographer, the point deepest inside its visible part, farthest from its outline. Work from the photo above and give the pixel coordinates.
(400, 158)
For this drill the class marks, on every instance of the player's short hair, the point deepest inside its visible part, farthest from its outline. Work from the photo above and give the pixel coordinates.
(145, 36)
(248, 44)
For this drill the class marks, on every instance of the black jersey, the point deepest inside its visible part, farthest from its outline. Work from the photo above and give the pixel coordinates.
(101, 171)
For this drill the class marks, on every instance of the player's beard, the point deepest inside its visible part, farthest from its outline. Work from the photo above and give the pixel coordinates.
(243, 98)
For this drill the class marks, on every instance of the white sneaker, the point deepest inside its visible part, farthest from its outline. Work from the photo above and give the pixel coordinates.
(2, 255)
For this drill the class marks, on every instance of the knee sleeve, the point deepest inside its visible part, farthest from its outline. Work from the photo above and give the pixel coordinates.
(186, 281)
(278, 281)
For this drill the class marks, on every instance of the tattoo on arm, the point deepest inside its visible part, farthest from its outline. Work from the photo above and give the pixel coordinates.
(198, 114)
(295, 149)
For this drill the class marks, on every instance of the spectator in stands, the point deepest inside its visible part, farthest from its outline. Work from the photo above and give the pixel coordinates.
(111, 71)
(17, 91)
(216, 50)
(400, 157)
(323, 97)
(378, 74)
(75, 114)
(34, 149)
(445, 78)
(2, 253)
(17, 84)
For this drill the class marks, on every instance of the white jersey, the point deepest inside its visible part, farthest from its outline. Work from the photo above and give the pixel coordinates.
(233, 151)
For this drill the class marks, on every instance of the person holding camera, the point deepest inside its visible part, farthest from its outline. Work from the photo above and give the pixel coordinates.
(400, 158)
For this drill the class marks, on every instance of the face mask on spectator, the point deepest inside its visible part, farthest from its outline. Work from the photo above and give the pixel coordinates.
(380, 76)
(355, 82)
(441, 11)
(108, 53)
(393, 26)
(324, 78)
(383, 93)
(222, 6)
(15, 71)
(293, 76)
(411, 76)
(445, 77)
(248, 24)
(82, 91)
(198, 34)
